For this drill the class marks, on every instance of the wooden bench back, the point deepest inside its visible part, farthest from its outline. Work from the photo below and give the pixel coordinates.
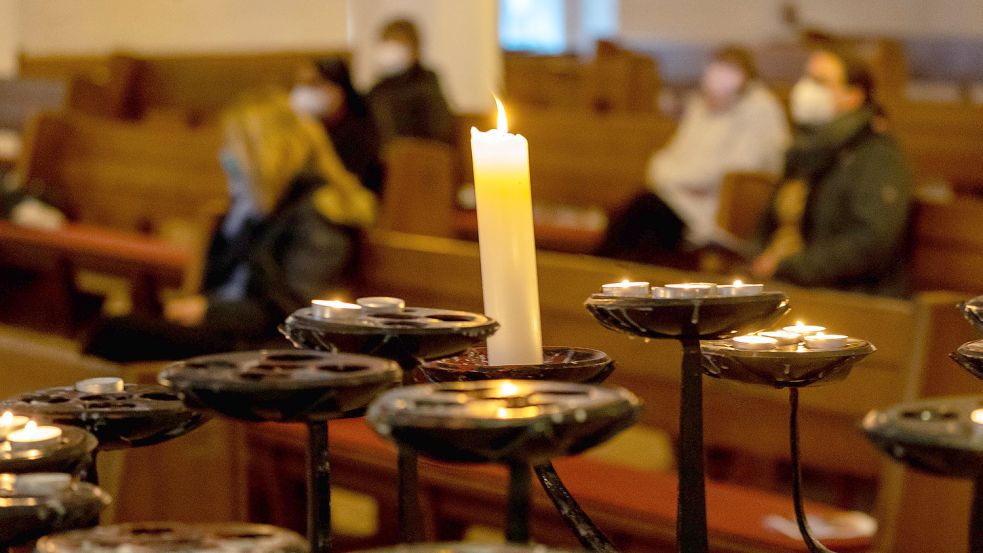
(420, 187)
(20, 99)
(132, 176)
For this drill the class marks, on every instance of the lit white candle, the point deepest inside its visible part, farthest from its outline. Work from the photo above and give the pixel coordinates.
(659, 292)
(381, 304)
(690, 290)
(507, 244)
(627, 288)
(825, 341)
(804, 329)
(103, 385)
(33, 436)
(754, 342)
(784, 337)
(739, 289)
(10, 422)
(328, 309)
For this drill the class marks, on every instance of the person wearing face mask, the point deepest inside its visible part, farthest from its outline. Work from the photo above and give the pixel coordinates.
(407, 99)
(324, 92)
(291, 233)
(733, 124)
(839, 218)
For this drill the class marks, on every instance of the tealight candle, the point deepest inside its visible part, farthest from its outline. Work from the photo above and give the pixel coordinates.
(690, 290)
(33, 436)
(103, 385)
(739, 289)
(784, 337)
(754, 342)
(327, 309)
(381, 304)
(627, 289)
(10, 422)
(659, 292)
(804, 329)
(36, 483)
(825, 341)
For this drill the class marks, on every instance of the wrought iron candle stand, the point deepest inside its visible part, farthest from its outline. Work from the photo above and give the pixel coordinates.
(564, 364)
(288, 386)
(171, 537)
(36, 504)
(408, 335)
(72, 454)
(942, 436)
(791, 366)
(465, 548)
(135, 416)
(688, 321)
(514, 422)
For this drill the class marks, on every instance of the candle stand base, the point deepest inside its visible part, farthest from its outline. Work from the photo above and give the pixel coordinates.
(34, 505)
(165, 537)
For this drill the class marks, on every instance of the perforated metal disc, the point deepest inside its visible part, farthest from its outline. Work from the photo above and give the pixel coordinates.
(281, 385)
(559, 363)
(173, 537)
(499, 420)
(970, 357)
(467, 548)
(140, 415)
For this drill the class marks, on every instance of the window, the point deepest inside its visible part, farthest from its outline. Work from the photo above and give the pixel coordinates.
(556, 26)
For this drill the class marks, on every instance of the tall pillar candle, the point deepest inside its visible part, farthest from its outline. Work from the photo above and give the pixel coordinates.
(507, 244)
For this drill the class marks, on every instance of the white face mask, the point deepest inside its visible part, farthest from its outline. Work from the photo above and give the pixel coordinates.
(392, 58)
(812, 103)
(722, 81)
(311, 101)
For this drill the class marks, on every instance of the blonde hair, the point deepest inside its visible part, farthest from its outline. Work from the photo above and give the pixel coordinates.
(279, 145)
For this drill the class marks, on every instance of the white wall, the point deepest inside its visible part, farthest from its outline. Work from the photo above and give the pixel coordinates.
(165, 26)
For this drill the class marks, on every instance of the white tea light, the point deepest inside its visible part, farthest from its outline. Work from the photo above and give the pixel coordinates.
(10, 422)
(36, 483)
(739, 289)
(626, 288)
(825, 341)
(804, 329)
(327, 309)
(784, 337)
(690, 290)
(103, 385)
(381, 304)
(659, 292)
(754, 342)
(33, 436)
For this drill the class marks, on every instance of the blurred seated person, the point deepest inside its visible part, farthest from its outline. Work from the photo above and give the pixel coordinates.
(407, 99)
(734, 123)
(324, 92)
(291, 233)
(840, 217)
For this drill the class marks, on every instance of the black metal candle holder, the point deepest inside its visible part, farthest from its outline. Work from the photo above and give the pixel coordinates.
(37, 504)
(515, 422)
(792, 367)
(72, 454)
(288, 386)
(170, 537)
(973, 311)
(410, 336)
(689, 321)
(970, 357)
(139, 415)
(466, 548)
(940, 436)
(562, 364)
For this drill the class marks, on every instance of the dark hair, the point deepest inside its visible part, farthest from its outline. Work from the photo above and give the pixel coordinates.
(741, 57)
(404, 30)
(335, 70)
(856, 72)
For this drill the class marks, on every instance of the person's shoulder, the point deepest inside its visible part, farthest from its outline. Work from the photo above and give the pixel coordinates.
(759, 97)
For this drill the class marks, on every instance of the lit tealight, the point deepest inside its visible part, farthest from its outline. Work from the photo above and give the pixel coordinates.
(328, 309)
(738, 288)
(803, 329)
(381, 304)
(508, 389)
(103, 385)
(690, 290)
(626, 288)
(754, 342)
(825, 341)
(10, 422)
(784, 337)
(33, 436)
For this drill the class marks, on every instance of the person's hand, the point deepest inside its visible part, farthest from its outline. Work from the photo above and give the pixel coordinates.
(764, 266)
(187, 311)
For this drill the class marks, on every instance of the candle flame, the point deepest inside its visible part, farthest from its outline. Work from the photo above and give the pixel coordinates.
(799, 323)
(625, 281)
(7, 419)
(503, 122)
(977, 416)
(30, 427)
(508, 389)
(738, 282)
